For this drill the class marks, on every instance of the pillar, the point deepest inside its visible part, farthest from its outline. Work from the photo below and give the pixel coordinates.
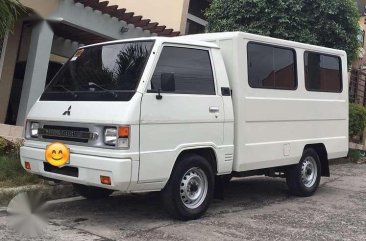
(36, 69)
(10, 58)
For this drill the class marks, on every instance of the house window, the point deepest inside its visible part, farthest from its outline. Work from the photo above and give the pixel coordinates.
(191, 69)
(271, 67)
(323, 72)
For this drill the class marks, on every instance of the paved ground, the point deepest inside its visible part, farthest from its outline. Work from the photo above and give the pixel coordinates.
(254, 209)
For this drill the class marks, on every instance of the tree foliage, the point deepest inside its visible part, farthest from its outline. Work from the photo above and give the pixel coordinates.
(9, 12)
(357, 119)
(326, 23)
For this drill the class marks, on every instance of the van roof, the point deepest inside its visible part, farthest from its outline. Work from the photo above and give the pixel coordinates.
(175, 40)
(206, 39)
(256, 37)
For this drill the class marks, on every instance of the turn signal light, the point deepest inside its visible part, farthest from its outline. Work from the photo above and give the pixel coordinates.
(105, 180)
(27, 165)
(123, 132)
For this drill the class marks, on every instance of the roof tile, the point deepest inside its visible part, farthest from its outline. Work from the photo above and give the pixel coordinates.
(129, 17)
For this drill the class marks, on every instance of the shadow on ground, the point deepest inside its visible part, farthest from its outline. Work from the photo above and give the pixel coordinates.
(256, 208)
(239, 193)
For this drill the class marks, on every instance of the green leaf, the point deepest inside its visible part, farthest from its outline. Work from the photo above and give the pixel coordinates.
(10, 10)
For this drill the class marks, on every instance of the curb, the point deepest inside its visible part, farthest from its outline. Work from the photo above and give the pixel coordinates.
(345, 160)
(48, 192)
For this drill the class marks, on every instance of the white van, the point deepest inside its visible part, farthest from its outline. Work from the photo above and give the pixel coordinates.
(182, 114)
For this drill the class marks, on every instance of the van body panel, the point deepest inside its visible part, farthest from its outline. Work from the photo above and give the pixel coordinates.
(182, 121)
(273, 126)
(99, 112)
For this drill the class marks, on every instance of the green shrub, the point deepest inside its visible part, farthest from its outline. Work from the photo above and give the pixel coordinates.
(322, 22)
(8, 147)
(355, 155)
(12, 173)
(3, 145)
(357, 119)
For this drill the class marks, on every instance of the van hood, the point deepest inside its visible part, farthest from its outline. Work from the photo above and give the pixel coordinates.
(98, 112)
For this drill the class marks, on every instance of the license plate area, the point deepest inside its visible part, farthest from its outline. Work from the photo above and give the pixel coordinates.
(65, 170)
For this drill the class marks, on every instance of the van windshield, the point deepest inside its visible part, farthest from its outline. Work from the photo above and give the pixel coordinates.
(101, 73)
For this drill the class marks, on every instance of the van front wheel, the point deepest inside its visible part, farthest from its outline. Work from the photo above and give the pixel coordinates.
(303, 179)
(189, 191)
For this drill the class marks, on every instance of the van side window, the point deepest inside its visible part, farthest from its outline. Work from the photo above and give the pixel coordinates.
(271, 67)
(322, 72)
(191, 69)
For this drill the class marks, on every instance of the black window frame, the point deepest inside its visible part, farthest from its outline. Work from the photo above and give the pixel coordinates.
(340, 70)
(178, 92)
(293, 50)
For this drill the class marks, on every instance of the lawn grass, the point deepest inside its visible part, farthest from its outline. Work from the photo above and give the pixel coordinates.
(12, 173)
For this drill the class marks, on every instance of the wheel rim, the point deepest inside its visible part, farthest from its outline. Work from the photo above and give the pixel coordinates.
(193, 187)
(309, 172)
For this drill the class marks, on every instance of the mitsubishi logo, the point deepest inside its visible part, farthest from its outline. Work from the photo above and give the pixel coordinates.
(68, 112)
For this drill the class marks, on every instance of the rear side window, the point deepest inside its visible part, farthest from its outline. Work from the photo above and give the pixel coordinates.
(323, 72)
(191, 68)
(271, 67)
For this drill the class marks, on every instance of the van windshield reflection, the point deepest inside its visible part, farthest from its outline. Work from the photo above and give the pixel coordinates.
(104, 72)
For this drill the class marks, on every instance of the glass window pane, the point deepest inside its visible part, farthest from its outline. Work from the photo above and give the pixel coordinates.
(191, 68)
(271, 67)
(322, 73)
(101, 72)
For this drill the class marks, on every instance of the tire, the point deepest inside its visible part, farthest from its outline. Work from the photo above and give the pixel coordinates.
(303, 179)
(90, 192)
(189, 191)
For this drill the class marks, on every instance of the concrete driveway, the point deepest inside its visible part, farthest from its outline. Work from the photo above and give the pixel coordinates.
(254, 209)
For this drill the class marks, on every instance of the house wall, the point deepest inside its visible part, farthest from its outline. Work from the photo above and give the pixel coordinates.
(42, 8)
(172, 13)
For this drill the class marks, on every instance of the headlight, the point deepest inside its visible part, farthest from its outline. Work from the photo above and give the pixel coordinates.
(34, 126)
(110, 136)
(118, 137)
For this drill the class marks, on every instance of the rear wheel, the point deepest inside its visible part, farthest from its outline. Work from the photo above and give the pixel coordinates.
(303, 179)
(90, 192)
(188, 192)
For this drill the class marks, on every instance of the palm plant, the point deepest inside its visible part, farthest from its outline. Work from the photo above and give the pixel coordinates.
(129, 64)
(9, 13)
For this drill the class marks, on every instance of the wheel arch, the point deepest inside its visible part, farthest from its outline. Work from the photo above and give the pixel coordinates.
(208, 153)
(321, 150)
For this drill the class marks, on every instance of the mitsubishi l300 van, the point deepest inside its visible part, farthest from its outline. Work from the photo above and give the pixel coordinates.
(183, 115)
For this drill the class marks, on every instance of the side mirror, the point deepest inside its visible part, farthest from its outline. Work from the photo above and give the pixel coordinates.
(167, 82)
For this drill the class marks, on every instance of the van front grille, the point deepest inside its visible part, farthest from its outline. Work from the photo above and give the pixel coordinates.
(66, 133)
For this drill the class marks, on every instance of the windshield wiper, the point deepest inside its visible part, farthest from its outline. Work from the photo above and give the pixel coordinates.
(68, 91)
(102, 88)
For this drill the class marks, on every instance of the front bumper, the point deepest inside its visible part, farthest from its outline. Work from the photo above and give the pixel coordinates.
(90, 168)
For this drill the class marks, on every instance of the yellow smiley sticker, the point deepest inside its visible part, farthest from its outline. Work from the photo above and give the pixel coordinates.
(57, 154)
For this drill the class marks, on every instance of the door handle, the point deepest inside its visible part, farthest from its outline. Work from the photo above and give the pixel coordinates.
(214, 109)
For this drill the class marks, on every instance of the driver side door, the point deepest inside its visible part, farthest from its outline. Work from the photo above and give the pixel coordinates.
(188, 115)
